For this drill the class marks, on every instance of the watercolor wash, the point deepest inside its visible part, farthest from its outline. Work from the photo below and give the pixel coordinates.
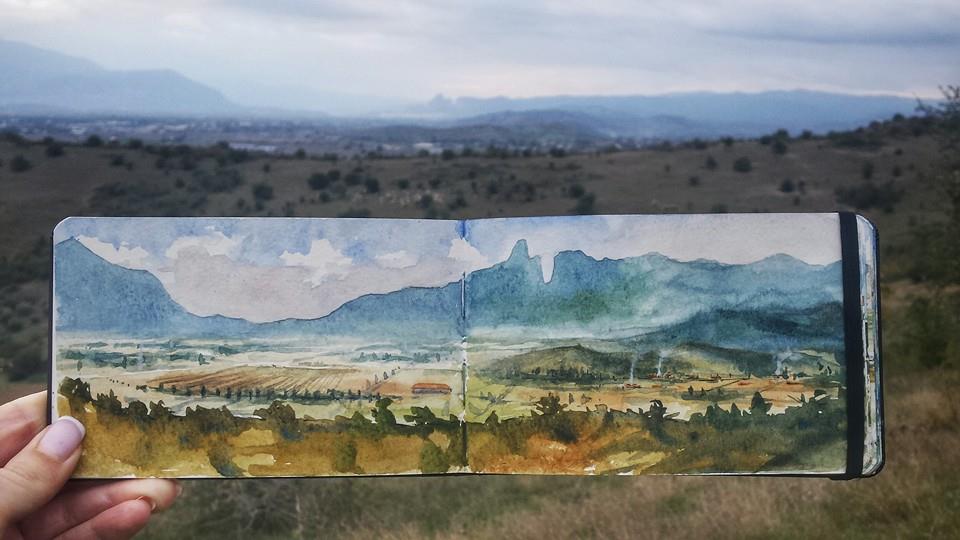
(566, 345)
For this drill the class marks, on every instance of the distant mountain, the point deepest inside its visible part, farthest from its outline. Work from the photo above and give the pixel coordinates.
(39, 81)
(679, 115)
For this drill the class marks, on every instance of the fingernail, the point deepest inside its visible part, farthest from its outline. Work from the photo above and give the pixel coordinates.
(62, 438)
(153, 505)
(179, 488)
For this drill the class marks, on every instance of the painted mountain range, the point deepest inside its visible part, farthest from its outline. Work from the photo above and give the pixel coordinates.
(651, 298)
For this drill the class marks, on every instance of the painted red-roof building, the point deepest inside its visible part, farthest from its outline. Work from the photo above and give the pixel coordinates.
(431, 388)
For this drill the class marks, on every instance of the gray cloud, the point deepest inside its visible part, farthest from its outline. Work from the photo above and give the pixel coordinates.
(269, 52)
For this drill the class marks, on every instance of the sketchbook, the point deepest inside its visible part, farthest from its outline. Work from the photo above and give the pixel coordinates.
(623, 344)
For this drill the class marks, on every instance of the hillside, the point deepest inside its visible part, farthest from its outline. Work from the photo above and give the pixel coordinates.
(884, 166)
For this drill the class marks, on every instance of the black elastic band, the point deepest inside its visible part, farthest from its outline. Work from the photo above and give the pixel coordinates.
(853, 342)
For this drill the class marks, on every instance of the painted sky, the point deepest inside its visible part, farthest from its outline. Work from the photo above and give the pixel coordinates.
(270, 269)
(296, 53)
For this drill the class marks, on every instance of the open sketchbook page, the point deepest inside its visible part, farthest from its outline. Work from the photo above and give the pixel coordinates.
(577, 345)
(261, 347)
(660, 344)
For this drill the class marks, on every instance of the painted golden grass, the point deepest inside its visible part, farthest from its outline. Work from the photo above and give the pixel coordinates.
(274, 441)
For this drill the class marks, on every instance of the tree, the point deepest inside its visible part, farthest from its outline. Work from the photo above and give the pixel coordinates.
(742, 165)
(262, 192)
(585, 204)
(758, 405)
(382, 414)
(319, 181)
(550, 405)
(54, 150)
(432, 459)
(20, 164)
(657, 412)
(936, 244)
(282, 418)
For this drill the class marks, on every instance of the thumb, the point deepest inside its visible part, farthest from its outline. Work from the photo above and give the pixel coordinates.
(38, 472)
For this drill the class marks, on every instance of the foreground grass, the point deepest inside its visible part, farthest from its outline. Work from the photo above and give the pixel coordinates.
(917, 495)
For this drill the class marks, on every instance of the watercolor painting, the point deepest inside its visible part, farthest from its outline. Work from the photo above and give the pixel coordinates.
(566, 345)
(658, 344)
(262, 347)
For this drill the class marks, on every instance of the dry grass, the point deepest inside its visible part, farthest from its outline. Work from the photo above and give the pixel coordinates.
(917, 495)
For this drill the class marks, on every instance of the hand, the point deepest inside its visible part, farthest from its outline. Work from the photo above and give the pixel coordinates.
(35, 464)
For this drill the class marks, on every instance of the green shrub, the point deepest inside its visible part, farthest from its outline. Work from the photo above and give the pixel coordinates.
(262, 192)
(742, 165)
(20, 164)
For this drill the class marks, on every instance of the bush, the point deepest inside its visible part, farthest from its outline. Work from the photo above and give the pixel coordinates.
(355, 213)
(54, 150)
(319, 181)
(787, 186)
(262, 192)
(585, 204)
(93, 141)
(576, 191)
(779, 147)
(710, 163)
(372, 185)
(694, 181)
(20, 164)
(742, 165)
(218, 181)
(432, 459)
(866, 170)
(869, 195)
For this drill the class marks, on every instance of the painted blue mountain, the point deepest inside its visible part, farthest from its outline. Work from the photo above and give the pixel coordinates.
(605, 298)
(636, 295)
(95, 295)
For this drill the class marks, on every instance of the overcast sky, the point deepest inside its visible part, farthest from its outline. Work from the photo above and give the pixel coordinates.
(292, 51)
(270, 269)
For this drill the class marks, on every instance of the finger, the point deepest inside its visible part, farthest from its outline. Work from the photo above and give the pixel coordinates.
(20, 421)
(84, 502)
(33, 476)
(118, 523)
